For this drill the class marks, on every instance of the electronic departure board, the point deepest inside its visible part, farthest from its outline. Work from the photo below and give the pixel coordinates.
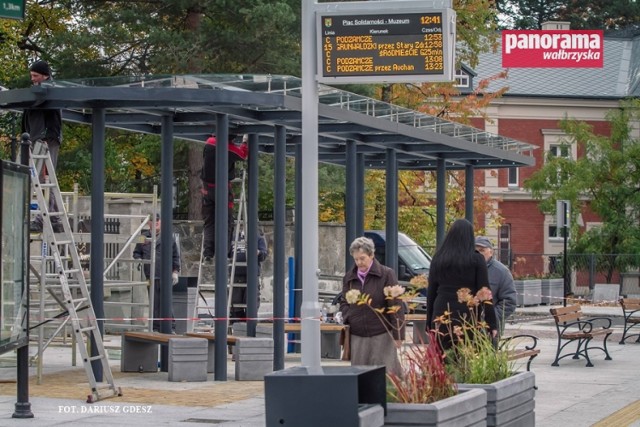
(386, 47)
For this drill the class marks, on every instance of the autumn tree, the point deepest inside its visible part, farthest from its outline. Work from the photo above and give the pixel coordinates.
(476, 25)
(604, 179)
(107, 38)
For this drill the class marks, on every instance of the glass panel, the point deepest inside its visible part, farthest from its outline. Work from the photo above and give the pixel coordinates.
(13, 298)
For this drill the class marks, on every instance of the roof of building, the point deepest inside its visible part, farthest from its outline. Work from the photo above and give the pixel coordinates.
(618, 78)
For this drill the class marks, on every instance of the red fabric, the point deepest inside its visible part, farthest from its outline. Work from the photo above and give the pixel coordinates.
(241, 150)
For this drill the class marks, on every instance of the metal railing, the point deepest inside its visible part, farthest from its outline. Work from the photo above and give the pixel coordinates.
(584, 270)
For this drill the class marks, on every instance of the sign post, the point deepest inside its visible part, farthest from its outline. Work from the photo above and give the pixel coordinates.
(359, 42)
(563, 208)
(12, 9)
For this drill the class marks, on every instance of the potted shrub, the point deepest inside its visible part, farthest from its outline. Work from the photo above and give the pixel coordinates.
(552, 289)
(527, 282)
(424, 393)
(475, 363)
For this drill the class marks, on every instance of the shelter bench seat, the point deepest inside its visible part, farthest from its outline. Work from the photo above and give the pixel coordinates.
(332, 337)
(631, 312)
(572, 325)
(140, 350)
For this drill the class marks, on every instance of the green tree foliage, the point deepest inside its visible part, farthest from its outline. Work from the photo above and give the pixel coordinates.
(106, 38)
(604, 179)
(581, 14)
(475, 29)
(529, 14)
(601, 14)
(417, 203)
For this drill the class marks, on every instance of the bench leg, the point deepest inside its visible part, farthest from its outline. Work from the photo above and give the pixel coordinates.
(580, 350)
(583, 343)
(606, 351)
(558, 350)
(586, 353)
(138, 356)
(626, 335)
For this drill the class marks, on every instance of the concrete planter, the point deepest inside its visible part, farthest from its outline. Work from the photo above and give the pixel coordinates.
(467, 408)
(552, 291)
(529, 292)
(510, 402)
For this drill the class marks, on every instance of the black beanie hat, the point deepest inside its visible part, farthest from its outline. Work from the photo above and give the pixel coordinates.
(40, 67)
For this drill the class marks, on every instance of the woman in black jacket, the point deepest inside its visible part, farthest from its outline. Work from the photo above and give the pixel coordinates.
(456, 265)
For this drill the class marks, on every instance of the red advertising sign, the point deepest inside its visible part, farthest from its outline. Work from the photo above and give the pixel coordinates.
(552, 49)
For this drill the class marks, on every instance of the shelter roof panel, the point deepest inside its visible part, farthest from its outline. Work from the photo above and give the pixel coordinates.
(257, 103)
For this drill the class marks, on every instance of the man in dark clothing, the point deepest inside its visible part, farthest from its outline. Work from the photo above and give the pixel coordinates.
(236, 153)
(44, 125)
(142, 251)
(501, 282)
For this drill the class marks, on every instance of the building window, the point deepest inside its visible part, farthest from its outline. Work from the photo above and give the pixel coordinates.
(555, 232)
(560, 150)
(462, 80)
(504, 245)
(512, 177)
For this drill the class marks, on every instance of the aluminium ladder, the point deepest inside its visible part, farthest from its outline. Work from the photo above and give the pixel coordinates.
(206, 276)
(61, 279)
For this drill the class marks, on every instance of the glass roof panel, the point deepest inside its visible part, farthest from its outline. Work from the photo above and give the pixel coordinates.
(292, 86)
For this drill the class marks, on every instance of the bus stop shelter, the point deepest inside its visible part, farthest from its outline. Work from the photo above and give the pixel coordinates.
(354, 131)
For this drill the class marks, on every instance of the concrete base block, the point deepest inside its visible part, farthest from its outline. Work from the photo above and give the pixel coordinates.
(606, 292)
(249, 344)
(371, 416)
(251, 357)
(254, 358)
(138, 356)
(188, 359)
(253, 370)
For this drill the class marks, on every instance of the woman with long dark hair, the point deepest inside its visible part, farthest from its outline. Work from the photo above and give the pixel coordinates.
(456, 265)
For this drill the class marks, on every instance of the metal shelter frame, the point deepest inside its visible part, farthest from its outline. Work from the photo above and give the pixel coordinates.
(355, 131)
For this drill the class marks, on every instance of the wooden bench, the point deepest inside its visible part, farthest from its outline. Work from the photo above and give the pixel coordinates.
(331, 336)
(140, 350)
(572, 325)
(419, 321)
(631, 312)
(513, 344)
(515, 349)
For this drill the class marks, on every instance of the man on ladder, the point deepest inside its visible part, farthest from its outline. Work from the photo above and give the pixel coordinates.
(44, 125)
(236, 153)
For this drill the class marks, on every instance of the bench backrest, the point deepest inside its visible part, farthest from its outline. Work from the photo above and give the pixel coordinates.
(570, 313)
(630, 304)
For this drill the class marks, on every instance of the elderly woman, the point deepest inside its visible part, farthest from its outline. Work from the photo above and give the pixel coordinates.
(375, 335)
